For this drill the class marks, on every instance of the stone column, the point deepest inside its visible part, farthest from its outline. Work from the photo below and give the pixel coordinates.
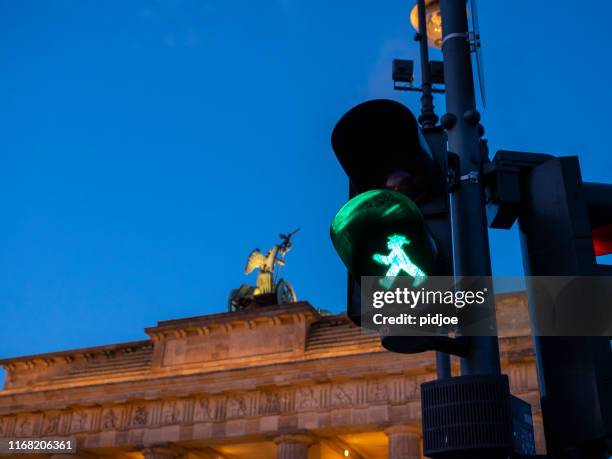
(292, 446)
(538, 431)
(404, 442)
(160, 452)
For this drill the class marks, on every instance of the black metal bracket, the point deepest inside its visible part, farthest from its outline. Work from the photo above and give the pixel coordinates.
(502, 178)
(452, 180)
(458, 346)
(398, 86)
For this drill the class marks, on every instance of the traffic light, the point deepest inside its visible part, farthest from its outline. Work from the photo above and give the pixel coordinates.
(382, 233)
(398, 204)
(559, 215)
(379, 145)
(598, 197)
(564, 224)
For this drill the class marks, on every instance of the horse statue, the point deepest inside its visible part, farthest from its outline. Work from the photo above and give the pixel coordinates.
(267, 287)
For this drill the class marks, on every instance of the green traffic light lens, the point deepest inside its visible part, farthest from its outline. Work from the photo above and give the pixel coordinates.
(383, 233)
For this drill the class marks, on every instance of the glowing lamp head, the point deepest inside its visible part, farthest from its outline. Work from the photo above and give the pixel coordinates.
(433, 20)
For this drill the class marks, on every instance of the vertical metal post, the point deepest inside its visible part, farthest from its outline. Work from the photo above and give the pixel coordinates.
(428, 118)
(443, 365)
(470, 236)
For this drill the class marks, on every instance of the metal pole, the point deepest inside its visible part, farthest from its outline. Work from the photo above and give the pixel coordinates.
(443, 365)
(428, 118)
(470, 236)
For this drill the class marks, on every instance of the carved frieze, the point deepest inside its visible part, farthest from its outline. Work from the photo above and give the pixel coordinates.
(6, 426)
(110, 418)
(81, 421)
(208, 409)
(51, 424)
(217, 408)
(171, 412)
(379, 391)
(140, 416)
(307, 398)
(342, 395)
(24, 425)
(237, 406)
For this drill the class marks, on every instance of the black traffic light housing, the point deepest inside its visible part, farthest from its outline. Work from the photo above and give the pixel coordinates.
(564, 223)
(556, 229)
(381, 147)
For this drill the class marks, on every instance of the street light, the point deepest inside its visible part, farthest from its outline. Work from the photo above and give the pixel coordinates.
(433, 19)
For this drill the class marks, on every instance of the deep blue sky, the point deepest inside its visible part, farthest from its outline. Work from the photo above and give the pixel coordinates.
(147, 146)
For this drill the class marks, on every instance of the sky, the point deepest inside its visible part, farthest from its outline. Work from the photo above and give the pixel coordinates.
(146, 147)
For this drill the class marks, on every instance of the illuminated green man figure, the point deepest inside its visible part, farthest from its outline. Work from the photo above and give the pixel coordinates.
(398, 261)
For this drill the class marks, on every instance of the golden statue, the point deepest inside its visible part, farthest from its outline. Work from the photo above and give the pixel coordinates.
(266, 291)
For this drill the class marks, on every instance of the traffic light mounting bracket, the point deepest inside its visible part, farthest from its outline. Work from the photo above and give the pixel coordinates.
(505, 197)
(455, 179)
(502, 179)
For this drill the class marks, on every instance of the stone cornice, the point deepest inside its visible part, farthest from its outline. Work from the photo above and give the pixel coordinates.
(325, 369)
(50, 358)
(319, 367)
(202, 325)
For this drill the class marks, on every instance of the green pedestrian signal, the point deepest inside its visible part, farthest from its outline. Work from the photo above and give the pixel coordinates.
(398, 262)
(383, 233)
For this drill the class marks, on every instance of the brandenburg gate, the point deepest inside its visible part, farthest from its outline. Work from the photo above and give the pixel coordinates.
(280, 380)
